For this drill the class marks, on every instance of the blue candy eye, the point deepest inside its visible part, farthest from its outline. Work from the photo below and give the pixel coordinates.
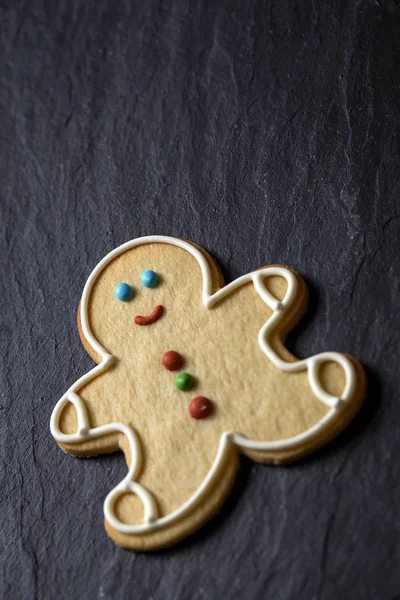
(123, 292)
(149, 278)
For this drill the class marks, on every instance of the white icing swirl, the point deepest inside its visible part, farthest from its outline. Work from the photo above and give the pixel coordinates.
(84, 433)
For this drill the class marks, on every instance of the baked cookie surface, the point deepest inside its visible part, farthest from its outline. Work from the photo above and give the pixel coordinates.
(190, 373)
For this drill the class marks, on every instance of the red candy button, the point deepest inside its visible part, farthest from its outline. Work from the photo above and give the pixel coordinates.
(172, 360)
(200, 407)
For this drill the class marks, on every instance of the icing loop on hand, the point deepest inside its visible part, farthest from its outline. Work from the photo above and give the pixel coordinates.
(279, 307)
(312, 363)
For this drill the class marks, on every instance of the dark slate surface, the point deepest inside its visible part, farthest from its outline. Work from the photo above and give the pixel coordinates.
(267, 132)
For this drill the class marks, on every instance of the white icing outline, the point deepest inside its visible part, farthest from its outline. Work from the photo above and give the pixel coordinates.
(84, 433)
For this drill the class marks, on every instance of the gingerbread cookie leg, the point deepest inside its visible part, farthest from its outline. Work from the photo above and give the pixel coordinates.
(146, 525)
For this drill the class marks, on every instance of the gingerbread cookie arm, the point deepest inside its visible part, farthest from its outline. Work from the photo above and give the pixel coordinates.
(311, 364)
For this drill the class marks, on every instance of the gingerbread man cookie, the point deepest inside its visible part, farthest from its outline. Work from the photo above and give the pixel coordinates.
(190, 374)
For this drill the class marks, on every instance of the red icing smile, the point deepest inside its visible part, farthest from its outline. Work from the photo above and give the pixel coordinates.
(151, 318)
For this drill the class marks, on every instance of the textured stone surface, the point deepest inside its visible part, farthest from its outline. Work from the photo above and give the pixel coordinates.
(267, 132)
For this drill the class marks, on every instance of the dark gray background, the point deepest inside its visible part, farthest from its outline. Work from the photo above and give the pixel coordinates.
(267, 132)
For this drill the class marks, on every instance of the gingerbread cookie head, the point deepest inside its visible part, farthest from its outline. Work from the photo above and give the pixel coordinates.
(190, 374)
(139, 296)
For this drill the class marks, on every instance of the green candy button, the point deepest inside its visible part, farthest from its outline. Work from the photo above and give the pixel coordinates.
(184, 382)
